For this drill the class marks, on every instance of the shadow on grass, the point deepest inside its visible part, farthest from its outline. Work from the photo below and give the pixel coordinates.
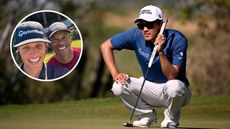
(194, 128)
(187, 127)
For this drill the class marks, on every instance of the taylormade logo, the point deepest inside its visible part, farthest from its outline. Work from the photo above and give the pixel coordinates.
(146, 12)
(23, 33)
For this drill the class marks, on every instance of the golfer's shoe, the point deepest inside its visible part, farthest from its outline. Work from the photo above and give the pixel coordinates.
(146, 121)
(169, 124)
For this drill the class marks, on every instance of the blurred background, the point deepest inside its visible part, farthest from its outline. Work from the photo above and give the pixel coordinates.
(205, 24)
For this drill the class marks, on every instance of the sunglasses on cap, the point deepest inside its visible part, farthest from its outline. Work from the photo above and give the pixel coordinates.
(148, 25)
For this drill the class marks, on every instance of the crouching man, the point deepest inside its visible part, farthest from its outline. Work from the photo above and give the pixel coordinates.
(167, 84)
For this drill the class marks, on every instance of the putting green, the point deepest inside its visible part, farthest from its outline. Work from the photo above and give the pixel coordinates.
(206, 112)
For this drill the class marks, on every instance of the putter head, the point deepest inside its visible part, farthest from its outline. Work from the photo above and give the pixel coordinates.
(128, 124)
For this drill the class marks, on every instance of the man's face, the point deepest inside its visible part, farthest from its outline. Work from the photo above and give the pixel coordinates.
(149, 29)
(61, 42)
(32, 54)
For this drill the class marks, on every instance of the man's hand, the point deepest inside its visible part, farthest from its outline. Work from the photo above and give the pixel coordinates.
(120, 78)
(160, 40)
(107, 53)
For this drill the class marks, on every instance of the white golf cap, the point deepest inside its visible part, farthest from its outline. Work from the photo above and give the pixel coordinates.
(150, 13)
(57, 26)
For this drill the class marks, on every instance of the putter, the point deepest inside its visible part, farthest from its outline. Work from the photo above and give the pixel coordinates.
(129, 123)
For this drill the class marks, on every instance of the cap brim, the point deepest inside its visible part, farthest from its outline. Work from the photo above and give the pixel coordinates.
(137, 20)
(32, 40)
(148, 20)
(50, 35)
(145, 19)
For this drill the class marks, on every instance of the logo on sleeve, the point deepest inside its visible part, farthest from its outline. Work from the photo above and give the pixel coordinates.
(180, 57)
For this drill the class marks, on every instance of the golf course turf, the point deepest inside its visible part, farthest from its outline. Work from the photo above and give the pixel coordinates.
(204, 112)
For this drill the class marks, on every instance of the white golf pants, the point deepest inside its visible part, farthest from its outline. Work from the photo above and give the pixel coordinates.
(172, 95)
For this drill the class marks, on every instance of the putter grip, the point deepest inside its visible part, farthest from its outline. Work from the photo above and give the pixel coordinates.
(155, 48)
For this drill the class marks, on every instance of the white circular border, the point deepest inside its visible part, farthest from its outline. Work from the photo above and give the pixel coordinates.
(43, 80)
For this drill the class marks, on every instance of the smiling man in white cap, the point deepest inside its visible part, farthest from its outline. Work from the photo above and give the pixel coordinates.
(31, 44)
(65, 55)
(167, 84)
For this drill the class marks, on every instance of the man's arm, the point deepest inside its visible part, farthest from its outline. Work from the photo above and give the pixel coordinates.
(107, 53)
(169, 70)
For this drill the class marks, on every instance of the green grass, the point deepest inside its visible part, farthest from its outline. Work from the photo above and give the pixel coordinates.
(109, 113)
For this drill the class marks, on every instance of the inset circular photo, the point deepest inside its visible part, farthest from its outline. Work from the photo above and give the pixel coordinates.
(46, 45)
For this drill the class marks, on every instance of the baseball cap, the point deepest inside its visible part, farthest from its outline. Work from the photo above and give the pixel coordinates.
(57, 26)
(150, 13)
(28, 32)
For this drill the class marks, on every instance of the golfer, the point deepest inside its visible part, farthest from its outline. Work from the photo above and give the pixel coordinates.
(167, 84)
(31, 45)
(64, 56)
